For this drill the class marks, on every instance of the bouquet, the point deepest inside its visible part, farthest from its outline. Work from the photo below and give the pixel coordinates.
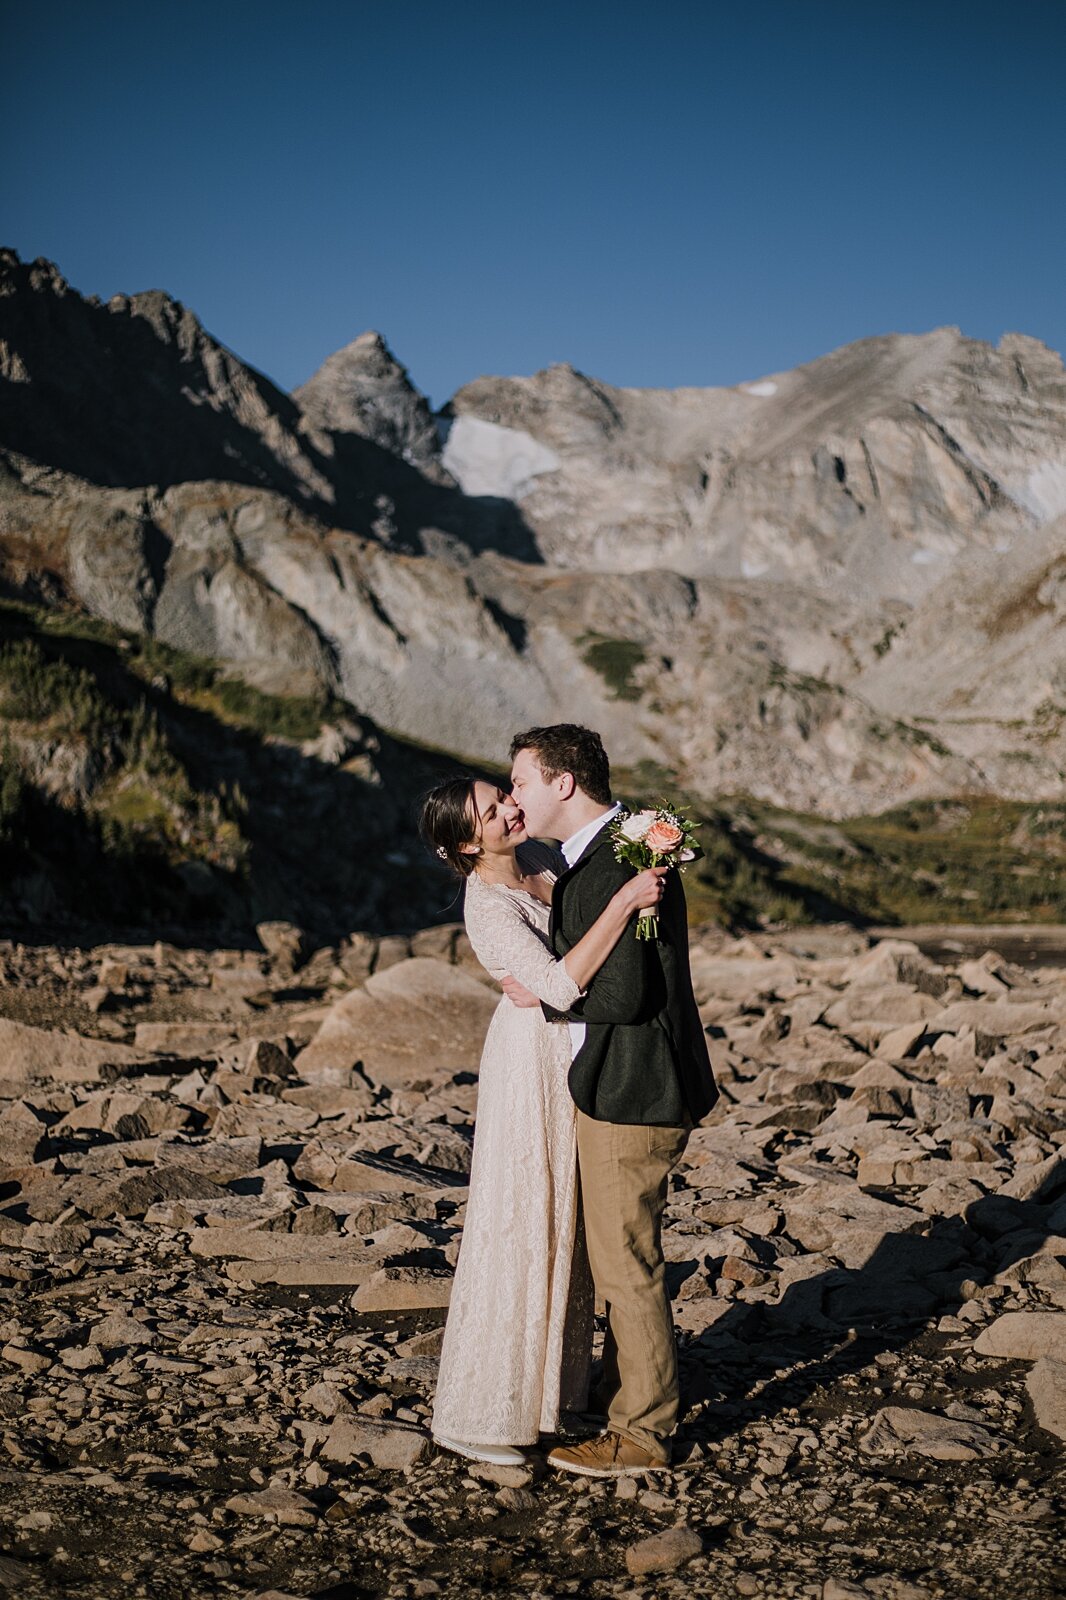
(659, 838)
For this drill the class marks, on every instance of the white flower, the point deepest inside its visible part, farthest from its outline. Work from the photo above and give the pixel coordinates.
(636, 826)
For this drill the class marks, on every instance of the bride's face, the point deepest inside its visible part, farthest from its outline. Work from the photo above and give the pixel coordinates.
(499, 822)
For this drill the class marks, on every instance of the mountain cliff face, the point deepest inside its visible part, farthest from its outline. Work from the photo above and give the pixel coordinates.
(363, 389)
(871, 469)
(836, 588)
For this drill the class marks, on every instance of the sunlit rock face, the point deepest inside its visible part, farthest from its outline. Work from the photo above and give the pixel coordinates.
(836, 588)
(866, 472)
(363, 389)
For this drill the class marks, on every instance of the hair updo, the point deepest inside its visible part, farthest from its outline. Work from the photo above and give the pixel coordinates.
(449, 821)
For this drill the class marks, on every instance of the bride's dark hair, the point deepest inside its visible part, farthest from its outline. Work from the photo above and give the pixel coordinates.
(449, 820)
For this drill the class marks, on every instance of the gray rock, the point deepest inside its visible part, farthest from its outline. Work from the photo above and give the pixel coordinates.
(1046, 1386)
(420, 1013)
(119, 1331)
(391, 1445)
(327, 1398)
(663, 1552)
(283, 1506)
(31, 1362)
(29, 1055)
(284, 943)
(403, 1289)
(1024, 1335)
(898, 1430)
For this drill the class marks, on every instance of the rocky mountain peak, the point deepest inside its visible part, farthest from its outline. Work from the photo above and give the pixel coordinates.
(830, 587)
(136, 392)
(363, 389)
(170, 321)
(39, 276)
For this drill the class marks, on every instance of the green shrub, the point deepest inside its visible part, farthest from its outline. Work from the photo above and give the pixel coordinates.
(295, 717)
(615, 660)
(35, 689)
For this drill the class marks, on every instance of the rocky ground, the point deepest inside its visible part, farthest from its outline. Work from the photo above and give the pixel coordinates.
(231, 1195)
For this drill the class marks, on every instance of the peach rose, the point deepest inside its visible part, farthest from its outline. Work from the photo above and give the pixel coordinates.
(662, 837)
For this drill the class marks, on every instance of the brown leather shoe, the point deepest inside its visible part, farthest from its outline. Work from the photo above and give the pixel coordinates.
(610, 1456)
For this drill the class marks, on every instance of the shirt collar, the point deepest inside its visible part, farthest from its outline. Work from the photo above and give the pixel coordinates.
(578, 842)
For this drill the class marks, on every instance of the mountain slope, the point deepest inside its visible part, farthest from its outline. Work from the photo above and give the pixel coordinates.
(870, 470)
(837, 589)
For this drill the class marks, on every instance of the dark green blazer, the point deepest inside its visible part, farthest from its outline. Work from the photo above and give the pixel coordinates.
(644, 1058)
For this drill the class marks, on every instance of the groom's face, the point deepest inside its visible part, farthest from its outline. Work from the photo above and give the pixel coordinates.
(540, 798)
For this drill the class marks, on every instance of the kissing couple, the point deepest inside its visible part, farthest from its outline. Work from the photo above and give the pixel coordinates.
(594, 1071)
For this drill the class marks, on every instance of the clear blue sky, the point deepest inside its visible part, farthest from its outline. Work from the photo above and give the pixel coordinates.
(661, 193)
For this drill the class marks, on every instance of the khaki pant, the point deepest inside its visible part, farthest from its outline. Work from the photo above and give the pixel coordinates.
(624, 1174)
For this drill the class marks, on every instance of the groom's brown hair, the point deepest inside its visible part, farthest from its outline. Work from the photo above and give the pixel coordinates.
(566, 747)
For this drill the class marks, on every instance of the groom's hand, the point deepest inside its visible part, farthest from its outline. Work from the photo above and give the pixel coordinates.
(517, 992)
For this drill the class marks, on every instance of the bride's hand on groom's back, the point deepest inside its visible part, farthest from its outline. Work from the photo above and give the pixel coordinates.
(517, 992)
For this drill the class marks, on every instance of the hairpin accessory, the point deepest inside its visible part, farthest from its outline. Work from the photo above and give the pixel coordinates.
(442, 852)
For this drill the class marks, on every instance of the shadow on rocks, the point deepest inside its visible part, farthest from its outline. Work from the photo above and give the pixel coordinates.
(835, 1323)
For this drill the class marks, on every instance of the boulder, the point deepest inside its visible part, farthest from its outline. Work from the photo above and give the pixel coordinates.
(220, 1159)
(1046, 1385)
(283, 1506)
(403, 1289)
(663, 1552)
(136, 1195)
(899, 1430)
(1024, 1336)
(183, 1038)
(119, 1331)
(881, 963)
(417, 1020)
(29, 1055)
(391, 1445)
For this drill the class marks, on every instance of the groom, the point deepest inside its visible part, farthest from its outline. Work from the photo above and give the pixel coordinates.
(640, 1079)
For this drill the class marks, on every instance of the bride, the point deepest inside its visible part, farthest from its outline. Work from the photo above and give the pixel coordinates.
(517, 1343)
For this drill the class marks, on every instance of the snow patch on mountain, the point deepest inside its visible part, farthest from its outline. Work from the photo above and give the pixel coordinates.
(486, 459)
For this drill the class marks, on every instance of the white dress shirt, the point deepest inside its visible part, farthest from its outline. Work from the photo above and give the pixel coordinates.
(572, 848)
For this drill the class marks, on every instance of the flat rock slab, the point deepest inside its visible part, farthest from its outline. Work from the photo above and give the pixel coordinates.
(503, 1477)
(220, 1159)
(1024, 1336)
(137, 1194)
(820, 1217)
(388, 1174)
(300, 1273)
(1041, 1181)
(1046, 1383)
(183, 1038)
(417, 1019)
(257, 1244)
(283, 1506)
(119, 1331)
(29, 1055)
(898, 1430)
(403, 1289)
(734, 978)
(391, 1445)
(663, 1552)
(999, 1018)
(254, 1256)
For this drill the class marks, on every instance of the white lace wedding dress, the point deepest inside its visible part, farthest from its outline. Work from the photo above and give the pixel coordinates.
(517, 1343)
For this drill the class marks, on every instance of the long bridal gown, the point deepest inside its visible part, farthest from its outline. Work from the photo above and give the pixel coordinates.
(517, 1342)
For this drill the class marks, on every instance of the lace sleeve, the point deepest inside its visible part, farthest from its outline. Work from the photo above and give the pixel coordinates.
(505, 941)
